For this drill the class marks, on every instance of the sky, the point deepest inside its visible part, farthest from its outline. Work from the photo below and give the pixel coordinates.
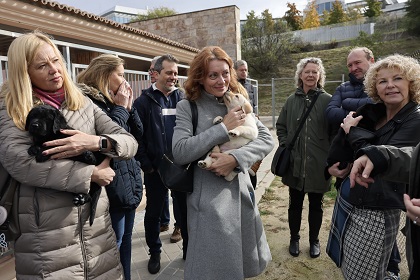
(277, 8)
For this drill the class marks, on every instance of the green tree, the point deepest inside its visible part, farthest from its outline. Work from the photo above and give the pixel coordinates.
(337, 13)
(373, 42)
(373, 8)
(311, 17)
(293, 17)
(355, 13)
(155, 13)
(325, 19)
(412, 16)
(265, 43)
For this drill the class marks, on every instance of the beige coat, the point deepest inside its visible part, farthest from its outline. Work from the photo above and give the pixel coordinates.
(57, 241)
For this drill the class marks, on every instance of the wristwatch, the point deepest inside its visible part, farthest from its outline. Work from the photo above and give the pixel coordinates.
(103, 143)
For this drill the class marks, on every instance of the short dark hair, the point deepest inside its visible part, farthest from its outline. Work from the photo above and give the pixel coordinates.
(159, 63)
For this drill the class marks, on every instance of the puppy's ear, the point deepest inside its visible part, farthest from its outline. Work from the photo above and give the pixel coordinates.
(28, 121)
(247, 108)
(59, 122)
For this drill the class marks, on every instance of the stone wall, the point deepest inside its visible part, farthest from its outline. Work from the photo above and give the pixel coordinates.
(212, 27)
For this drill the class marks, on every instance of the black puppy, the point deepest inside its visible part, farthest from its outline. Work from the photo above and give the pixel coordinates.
(44, 123)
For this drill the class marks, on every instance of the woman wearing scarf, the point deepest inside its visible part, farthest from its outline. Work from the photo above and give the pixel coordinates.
(57, 240)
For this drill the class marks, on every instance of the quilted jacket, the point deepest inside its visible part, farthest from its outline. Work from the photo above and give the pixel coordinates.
(57, 241)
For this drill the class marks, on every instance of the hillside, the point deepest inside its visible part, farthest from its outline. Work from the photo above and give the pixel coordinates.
(334, 61)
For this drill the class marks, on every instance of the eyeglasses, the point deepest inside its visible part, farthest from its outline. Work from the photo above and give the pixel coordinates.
(151, 70)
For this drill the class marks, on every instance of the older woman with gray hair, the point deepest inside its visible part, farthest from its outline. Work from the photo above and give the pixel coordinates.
(305, 174)
(394, 120)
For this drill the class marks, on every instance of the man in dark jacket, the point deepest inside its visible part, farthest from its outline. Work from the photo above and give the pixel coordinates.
(165, 216)
(349, 96)
(241, 68)
(157, 108)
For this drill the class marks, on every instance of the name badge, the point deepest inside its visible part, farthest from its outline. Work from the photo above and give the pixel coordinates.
(168, 112)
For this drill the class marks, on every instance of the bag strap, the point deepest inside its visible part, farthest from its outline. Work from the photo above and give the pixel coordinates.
(194, 112)
(292, 143)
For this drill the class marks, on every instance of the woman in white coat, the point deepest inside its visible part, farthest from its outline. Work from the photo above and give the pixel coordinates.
(226, 235)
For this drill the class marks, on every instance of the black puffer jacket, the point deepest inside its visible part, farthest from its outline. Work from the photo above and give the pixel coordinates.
(125, 191)
(400, 131)
(348, 96)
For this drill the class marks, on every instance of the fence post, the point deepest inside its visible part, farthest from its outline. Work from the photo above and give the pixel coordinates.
(273, 102)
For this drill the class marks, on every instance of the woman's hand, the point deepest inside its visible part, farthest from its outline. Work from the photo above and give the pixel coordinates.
(77, 143)
(339, 173)
(124, 96)
(103, 174)
(223, 164)
(350, 121)
(234, 118)
(360, 172)
(413, 209)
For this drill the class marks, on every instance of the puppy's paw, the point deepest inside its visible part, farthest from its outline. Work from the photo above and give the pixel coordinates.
(89, 158)
(41, 158)
(234, 133)
(217, 120)
(231, 176)
(34, 150)
(202, 164)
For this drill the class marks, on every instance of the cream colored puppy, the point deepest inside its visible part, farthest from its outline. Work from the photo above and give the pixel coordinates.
(238, 136)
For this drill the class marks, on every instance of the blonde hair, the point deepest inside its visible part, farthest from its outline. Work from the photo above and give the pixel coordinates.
(301, 65)
(98, 72)
(199, 70)
(410, 70)
(17, 90)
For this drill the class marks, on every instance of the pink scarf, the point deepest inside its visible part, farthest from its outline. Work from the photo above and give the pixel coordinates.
(51, 98)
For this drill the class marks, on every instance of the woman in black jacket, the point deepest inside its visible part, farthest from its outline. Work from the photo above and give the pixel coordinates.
(394, 120)
(103, 82)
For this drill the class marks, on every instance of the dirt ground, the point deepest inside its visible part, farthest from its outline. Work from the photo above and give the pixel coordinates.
(273, 208)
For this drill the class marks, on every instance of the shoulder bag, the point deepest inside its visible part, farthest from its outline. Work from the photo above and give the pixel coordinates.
(342, 209)
(9, 205)
(174, 176)
(281, 159)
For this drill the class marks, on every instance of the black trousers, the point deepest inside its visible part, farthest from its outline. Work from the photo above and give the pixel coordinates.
(181, 198)
(295, 213)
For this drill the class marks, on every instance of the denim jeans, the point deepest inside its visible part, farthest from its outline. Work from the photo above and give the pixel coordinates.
(155, 200)
(165, 217)
(122, 223)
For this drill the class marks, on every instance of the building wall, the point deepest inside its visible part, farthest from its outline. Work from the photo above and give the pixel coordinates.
(219, 27)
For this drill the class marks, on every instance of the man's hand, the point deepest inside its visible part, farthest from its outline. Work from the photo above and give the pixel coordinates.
(360, 172)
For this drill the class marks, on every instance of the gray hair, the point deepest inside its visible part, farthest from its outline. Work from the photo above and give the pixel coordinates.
(302, 63)
(239, 63)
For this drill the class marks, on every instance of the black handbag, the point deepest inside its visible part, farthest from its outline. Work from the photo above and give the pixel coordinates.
(9, 205)
(281, 159)
(174, 176)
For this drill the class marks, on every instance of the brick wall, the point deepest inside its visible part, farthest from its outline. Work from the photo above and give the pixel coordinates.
(212, 27)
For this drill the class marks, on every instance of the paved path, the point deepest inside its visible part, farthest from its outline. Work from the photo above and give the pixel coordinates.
(172, 264)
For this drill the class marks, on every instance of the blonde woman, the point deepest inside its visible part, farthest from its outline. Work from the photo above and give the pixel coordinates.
(57, 240)
(309, 154)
